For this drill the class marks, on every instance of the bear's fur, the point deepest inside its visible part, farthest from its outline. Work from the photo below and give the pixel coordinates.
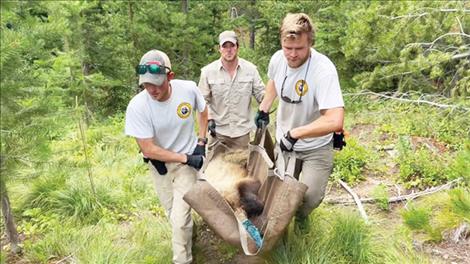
(227, 173)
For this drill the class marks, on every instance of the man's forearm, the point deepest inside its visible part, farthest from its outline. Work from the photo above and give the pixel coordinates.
(331, 121)
(152, 151)
(269, 97)
(202, 119)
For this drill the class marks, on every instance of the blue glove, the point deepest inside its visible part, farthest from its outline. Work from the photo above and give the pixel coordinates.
(287, 142)
(253, 232)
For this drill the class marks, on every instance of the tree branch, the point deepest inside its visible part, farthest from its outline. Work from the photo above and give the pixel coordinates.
(426, 13)
(419, 101)
(356, 200)
(399, 198)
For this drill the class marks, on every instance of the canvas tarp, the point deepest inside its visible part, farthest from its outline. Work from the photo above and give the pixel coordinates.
(281, 193)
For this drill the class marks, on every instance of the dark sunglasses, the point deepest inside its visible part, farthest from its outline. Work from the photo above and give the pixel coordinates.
(151, 68)
(287, 99)
(301, 88)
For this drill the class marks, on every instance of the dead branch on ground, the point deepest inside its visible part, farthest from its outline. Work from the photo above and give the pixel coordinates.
(356, 200)
(400, 198)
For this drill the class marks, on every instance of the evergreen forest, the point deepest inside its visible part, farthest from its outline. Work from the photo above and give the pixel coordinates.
(74, 188)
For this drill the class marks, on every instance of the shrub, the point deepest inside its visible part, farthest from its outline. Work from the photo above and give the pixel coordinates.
(419, 219)
(381, 197)
(420, 168)
(350, 162)
(460, 203)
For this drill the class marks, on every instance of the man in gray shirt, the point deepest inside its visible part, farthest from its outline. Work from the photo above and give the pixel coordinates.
(228, 85)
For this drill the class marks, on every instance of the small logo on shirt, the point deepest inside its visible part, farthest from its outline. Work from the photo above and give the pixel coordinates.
(301, 87)
(184, 110)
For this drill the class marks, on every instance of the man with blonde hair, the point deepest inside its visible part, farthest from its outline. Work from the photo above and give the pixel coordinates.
(311, 108)
(228, 85)
(160, 118)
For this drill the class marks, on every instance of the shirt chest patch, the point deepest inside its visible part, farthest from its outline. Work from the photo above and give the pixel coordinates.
(184, 110)
(301, 87)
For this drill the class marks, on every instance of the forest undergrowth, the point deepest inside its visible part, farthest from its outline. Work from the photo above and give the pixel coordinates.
(101, 207)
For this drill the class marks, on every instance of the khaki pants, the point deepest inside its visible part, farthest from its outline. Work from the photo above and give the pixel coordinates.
(221, 143)
(317, 165)
(170, 189)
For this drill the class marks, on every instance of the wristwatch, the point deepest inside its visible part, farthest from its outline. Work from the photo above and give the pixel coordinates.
(202, 140)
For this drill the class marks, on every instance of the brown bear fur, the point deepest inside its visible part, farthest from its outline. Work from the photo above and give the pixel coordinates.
(227, 173)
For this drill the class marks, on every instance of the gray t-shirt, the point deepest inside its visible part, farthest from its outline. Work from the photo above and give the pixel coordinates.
(169, 123)
(320, 91)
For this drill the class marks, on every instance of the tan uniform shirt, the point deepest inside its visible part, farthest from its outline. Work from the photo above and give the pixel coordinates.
(229, 100)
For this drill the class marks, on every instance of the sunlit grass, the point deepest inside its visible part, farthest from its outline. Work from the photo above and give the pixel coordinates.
(341, 236)
(146, 240)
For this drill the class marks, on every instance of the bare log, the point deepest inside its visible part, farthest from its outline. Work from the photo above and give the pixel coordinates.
(400, 198)
(356, 199)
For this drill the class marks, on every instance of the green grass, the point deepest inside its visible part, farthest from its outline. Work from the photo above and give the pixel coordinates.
(146, 240)
(381, 197)
(341, 236)
(62, 219)
(433, 216)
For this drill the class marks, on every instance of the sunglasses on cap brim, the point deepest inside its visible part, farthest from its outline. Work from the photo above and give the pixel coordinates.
(152, 68)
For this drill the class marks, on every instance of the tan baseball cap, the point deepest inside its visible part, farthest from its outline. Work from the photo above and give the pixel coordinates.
(154, 56)
(228, 35)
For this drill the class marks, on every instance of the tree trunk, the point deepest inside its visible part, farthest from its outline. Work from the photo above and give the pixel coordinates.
(10, 230)
(185, 6)
(253, 25)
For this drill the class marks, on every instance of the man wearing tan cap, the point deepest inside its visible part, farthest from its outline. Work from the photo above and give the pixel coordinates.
(160, 119)
(228, 85)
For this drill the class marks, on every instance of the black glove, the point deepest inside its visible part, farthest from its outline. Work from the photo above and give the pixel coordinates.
(195, 161)
(261, 119)
(159, 165)
(287, 142)
(200, 150)
(338, 141)
(211, 127)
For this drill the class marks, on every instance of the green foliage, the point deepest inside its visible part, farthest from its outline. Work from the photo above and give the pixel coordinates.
(352, 238)
(413, 46)
(350, 162)
(38, 221)
(438, 214)
(420, 168)
(460, 203)
(57, 54)
(381, 196)
(341, 236)
(460, 167)
(147, 240)
(417, 218)
(42, 188)
(80, 203)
